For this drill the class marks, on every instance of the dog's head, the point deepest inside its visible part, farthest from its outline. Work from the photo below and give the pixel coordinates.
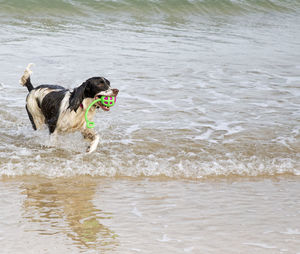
(92, 88)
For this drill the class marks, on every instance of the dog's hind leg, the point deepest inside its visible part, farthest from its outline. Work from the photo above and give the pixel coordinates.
(31, 118)
(34, 112)
(93, 137)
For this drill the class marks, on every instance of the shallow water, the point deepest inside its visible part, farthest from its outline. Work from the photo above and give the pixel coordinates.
(208, 114)
(140, 215)
(206, 89)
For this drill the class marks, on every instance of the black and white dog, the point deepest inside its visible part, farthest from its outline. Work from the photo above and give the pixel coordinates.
(63, 110)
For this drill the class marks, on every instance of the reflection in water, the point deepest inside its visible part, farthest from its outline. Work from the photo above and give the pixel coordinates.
(65, 205)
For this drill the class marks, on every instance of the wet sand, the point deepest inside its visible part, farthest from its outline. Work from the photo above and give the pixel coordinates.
(149, 215)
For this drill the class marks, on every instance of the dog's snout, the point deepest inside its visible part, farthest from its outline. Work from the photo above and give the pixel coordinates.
(115, 91)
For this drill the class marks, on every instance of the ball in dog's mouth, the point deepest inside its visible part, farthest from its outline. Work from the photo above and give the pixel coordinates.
(104, 107)
(107, 101)
(100, 105)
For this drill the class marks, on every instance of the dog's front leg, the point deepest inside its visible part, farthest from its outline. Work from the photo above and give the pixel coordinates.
(53, 138)
(93, 137)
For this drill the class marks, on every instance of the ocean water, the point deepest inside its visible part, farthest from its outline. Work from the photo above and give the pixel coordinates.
(206, 87)
(209, 91)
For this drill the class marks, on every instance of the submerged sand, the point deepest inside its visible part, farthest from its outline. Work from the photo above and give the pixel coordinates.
(149, 215)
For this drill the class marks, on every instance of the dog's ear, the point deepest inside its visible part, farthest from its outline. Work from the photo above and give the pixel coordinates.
(77, 97)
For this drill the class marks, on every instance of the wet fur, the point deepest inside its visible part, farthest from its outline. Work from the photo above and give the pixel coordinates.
(63, 110)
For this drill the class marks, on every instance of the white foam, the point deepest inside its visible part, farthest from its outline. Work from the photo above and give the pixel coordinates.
(261, 245)
(122, 160)
(136, 212)
(188, 249)
(165, 238)
(291, 231)
(290, 80)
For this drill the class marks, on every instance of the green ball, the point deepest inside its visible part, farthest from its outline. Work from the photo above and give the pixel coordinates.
(108, 101)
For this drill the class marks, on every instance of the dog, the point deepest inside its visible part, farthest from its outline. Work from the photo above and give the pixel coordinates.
(63, 110)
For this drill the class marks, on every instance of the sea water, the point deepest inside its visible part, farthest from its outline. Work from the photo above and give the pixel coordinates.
(209, 91)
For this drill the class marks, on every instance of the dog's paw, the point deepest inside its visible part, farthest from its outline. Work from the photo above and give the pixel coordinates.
(91, 149)
(93, 146)
(88, 150)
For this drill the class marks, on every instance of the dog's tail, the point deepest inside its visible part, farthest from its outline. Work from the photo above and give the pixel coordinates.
(25, 79)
